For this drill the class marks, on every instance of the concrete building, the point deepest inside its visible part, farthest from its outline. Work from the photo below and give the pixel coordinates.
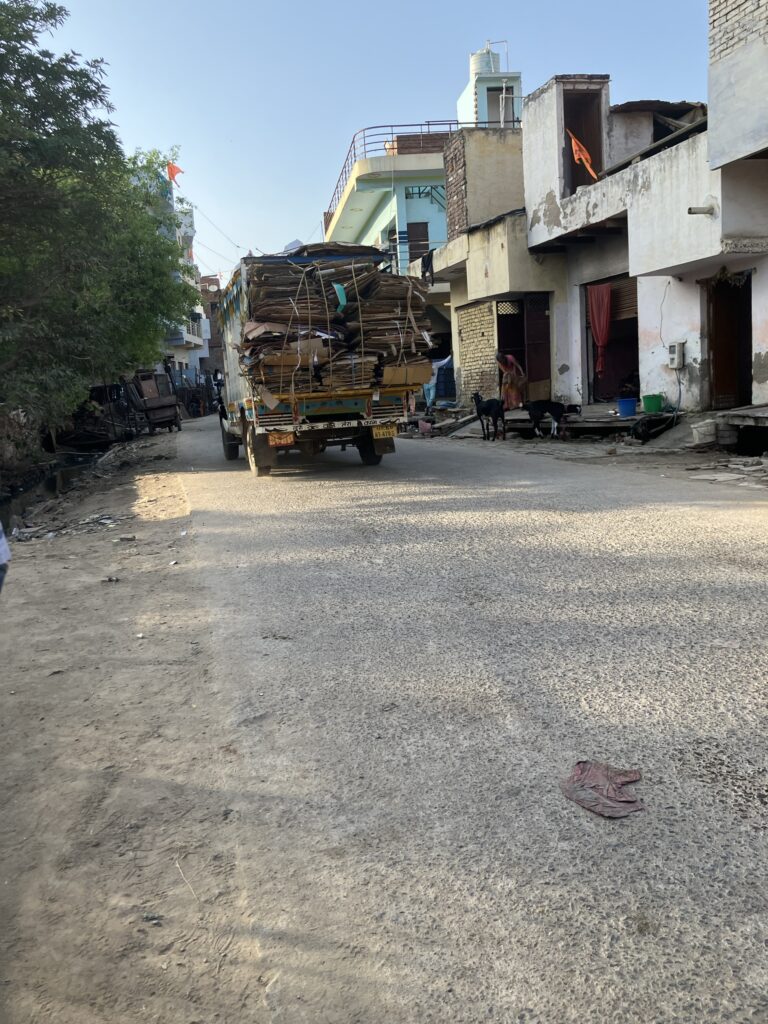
(671, 230)
(187, 343)
(391, 190)
(492, 97)
(500, 296)
(210, 291)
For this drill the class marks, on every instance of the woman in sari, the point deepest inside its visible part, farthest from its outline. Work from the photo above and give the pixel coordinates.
(512, 381)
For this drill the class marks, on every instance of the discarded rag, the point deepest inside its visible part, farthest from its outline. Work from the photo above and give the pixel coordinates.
(600, 788)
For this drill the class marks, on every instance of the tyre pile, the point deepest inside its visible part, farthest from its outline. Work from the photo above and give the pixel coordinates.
(326, 318)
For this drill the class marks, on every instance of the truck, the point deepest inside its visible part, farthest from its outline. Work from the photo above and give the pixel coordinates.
(323, 348)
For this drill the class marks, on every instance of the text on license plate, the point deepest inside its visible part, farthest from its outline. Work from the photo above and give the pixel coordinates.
(385, 430)
(279, 438)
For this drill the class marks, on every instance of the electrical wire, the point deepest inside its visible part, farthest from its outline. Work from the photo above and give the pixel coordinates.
(221, 231)
(215, 251)
(207, 266)
(661, 311)
(679, 396)
(307, 240)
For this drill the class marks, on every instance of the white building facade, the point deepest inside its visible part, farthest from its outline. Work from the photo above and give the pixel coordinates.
(187, 343)
(671, 221)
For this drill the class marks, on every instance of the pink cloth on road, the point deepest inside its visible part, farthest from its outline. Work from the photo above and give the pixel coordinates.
(601, 789)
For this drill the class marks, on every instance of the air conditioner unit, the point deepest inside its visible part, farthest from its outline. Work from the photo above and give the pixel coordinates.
(677, 355)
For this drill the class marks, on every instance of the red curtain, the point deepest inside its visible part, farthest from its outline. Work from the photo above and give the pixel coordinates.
(599, 298)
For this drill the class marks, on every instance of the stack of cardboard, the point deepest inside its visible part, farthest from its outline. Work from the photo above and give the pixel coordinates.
(326, 318)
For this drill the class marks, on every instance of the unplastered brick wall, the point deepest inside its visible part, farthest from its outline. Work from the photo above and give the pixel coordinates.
(477, 351)
(734, 22)
(455, 186)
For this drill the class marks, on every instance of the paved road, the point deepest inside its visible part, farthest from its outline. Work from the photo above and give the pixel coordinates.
(412, 656)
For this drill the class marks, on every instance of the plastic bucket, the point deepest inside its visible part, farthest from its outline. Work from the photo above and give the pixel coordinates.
(704, 432)
(653, 403)
(626, 406)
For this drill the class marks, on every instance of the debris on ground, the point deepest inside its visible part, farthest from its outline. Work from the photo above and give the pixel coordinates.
(600, 788)
(51, 518)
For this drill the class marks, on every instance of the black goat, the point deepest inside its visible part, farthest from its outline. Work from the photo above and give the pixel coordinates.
(557, 412)
(490, 410)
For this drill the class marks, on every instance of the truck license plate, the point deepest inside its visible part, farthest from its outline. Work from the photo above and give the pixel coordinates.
(280, 438)
(385, 430)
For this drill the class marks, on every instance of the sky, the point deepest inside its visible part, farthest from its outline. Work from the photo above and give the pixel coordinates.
(262, 97)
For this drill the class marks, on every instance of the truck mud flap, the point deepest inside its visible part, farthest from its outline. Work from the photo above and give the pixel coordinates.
(383, 445)
(260, 453)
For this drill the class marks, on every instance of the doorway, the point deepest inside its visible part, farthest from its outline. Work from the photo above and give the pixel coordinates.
(620, 375)
(522, 329)
(582, 115)
(729, 331)
(501, 107)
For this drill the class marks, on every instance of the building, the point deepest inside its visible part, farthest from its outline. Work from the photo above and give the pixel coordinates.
(646, 274)
(210, 291)
(186, 344)
(391, 190)
(500, 296)
(492, 97)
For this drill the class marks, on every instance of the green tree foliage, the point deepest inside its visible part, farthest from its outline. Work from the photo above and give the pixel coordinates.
(89, 263)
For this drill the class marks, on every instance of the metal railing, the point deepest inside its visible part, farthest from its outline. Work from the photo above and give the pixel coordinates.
(397, 140)
(434, 193)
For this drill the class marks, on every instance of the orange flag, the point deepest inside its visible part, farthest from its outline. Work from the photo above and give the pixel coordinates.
(173, 170)
(580, 154)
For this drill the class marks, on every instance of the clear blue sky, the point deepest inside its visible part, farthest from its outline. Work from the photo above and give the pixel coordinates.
(263, 96)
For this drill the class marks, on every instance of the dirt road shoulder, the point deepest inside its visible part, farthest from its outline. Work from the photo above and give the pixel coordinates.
(118, 840)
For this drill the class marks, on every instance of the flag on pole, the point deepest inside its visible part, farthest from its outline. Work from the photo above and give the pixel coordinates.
(581, 154)
(173, 171)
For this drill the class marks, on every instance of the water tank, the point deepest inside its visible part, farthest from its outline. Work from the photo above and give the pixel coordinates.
(484, 62)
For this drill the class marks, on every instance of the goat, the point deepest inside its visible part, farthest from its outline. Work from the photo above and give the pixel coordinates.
(557, 412)
(490, 410)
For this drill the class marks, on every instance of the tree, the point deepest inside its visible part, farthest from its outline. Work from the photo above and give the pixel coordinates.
(90, 275)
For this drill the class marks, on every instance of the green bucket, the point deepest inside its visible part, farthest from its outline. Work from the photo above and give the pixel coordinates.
(653, 403)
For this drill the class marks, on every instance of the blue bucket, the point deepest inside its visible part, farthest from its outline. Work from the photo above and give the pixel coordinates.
(626, 406)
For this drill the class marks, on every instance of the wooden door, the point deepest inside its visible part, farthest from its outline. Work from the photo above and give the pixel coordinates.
(729, 308)
(538, 361)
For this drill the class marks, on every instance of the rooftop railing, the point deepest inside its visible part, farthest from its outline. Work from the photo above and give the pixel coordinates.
(397, 140)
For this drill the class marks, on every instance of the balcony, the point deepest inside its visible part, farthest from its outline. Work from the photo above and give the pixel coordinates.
(393, 140)
(187, 335)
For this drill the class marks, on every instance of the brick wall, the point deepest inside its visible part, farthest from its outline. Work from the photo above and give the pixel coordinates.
(733, 22)
(455, 186)
(477, 350)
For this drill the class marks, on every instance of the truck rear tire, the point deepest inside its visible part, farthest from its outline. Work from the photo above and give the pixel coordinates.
(368, 453)
(367, 448)
(231, 448)
(370, 458)
(255, 451)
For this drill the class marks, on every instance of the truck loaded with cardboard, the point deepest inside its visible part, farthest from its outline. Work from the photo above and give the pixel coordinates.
(323, 347)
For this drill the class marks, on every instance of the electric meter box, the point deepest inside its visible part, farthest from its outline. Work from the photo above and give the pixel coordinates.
(677, 355)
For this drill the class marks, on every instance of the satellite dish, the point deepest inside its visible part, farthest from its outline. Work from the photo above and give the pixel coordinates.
(295, 244)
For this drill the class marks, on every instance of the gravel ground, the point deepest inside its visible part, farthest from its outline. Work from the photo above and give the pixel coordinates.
(414, 655)
(336, 799)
